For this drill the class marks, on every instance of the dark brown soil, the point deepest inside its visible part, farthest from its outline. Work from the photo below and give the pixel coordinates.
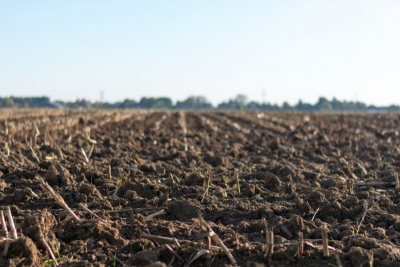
(295, 173)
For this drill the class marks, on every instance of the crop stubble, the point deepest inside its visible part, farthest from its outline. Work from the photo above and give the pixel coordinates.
(148, 188)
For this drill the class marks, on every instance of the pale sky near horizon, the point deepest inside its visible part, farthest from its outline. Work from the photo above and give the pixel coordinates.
(129, 49)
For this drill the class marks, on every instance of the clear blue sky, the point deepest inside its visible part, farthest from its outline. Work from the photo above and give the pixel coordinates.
(129, 49)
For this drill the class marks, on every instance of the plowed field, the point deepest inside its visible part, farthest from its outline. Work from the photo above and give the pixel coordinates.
(155, 188)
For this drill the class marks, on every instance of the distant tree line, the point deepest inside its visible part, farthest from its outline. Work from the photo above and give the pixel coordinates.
(240, 102)
(25, 102)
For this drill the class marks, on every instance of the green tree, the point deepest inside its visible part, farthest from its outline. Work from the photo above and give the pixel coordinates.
(163, 103)
(323, 104)
(286, 106)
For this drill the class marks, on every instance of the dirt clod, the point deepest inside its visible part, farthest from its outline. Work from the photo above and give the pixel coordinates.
(183, 209)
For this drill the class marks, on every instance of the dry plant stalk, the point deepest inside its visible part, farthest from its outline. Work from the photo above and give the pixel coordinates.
(208, 181)
(365, 209)
(396, 176)
(171, 179)
(202, 227)
(300, 248)
(3, 224)
(173, 252)
(350, 185)
(270, 246)
(87, 136)
(151, 216)
(49, 251)
(6, 247)
(216, 239)
(177, 242)
(7, 148)
(84, 207)
(315, 213)
(362, 168)
(291, 187)
(354, 176)
(317, 247)
(60, 152)
(109, 171)
(325, 242)
(237, 182)
(338, 260)
(90, 151)
(11, 224)
(60, 201)
(84, 155)
(34, 154)
(197, 255)
(35, 136)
